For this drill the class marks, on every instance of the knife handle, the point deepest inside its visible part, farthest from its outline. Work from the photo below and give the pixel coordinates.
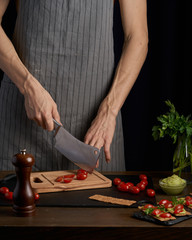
(56, 124)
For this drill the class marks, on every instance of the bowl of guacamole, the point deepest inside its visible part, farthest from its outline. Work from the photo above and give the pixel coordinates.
(172, 185)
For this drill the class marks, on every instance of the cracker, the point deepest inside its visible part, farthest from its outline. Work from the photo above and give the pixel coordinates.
(112, 200)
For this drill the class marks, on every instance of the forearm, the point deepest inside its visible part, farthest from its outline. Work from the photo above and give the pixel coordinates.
(131, 61)
(11, 64)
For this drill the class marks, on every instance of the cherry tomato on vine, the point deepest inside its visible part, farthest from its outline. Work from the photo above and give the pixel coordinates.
(142, 177)
(9, 195)
(4, 190)
(150, 192)
(134, 190)
(116, 181)
(141, 186)
(123, 187)
(145, 182)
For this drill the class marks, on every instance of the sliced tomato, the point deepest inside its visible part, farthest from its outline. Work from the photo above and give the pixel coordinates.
(156, 212)
(148, 206)
(179, 206)
(59, 179)
(69, 176)
(67, 180)
(4, 190)
(142, 177)
(116, 181)
(176, 211)
(168, 205)
(163, 202)
(165, 215)
(188, 202)
(188, 198)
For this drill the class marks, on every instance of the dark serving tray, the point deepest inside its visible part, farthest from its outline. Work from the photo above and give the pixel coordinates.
(80, 198)
(141, 215)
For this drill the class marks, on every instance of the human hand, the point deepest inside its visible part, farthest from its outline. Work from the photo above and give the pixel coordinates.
(39, 105)
(101, 132)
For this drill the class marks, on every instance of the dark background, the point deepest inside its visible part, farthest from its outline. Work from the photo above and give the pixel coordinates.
(165, 75)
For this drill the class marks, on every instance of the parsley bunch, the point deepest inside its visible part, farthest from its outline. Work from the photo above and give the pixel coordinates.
(179, 128)
(172, 124)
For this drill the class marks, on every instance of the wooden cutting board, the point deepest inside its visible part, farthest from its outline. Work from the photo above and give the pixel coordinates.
(43, 182)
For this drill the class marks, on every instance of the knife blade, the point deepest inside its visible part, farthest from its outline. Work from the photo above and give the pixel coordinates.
(81, 154)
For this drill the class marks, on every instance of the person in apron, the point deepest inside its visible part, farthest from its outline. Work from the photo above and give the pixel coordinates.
(60, 65)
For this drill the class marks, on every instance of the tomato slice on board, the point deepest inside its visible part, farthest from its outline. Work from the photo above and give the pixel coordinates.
(69, 176)
(67, 180)
(59, 179)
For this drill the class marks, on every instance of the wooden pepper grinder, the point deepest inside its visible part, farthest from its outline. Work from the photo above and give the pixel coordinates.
(23, 195)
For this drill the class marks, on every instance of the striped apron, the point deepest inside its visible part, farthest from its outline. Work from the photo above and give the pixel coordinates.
(68, 46)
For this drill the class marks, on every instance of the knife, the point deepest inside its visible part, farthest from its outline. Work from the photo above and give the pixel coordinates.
(81, 154)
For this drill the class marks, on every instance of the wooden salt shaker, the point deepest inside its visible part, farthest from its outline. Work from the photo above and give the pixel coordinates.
(23, 195)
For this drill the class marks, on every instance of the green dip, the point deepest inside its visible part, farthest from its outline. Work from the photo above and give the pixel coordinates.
(174, 180)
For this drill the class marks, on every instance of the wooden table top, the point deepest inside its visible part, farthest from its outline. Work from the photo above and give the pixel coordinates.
(86, 223)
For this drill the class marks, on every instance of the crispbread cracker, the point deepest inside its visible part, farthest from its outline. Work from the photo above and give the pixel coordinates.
(112, 200)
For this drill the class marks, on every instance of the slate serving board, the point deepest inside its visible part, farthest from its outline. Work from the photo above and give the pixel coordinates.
(80, 198)
(142, 216)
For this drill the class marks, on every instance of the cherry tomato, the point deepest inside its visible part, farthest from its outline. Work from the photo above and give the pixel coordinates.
(141, 186)
(9, 195)
(116, 181)
(176, 211)
(163, 202)
(69, 176)
(4, 190)
(148, 206)
(129, 184)
(168, 205)
(150, 192)
(36, 196)
(81, 176)
(134, 190)
(145, 182)
(142, 177)
(165, 215)
(82, 171)
(123, 187)
(179, 206)
(156, 212)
